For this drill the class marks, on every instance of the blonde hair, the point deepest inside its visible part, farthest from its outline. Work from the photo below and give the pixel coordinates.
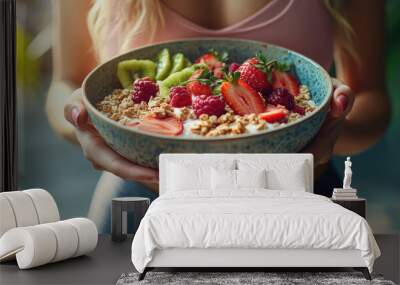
(343, 29)
(134, 15)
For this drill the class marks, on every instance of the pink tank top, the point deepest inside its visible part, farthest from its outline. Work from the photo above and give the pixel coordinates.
(301, 25)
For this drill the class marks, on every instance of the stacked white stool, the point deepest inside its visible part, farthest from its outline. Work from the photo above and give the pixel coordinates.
(31, 230)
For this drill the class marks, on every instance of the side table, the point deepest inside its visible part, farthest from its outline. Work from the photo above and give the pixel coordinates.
(358, 205)
(119, 213)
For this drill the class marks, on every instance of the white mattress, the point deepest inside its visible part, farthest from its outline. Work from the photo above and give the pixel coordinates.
(253, 219)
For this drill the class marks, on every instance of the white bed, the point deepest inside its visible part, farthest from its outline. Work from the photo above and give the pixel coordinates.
(248, 227)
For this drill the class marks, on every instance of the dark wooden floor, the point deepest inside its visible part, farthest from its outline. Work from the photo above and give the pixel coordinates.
(110, 260)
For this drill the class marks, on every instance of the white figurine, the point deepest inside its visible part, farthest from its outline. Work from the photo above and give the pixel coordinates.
(347, 174)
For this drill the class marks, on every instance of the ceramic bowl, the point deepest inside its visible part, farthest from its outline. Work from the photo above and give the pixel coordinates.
(144, 148)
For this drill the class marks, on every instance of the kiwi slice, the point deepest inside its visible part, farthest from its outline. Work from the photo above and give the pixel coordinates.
(178, 77)
(178, 62)
(187, 62)
(163, 64)
(174, 79)
(129, 70)
(163, 89)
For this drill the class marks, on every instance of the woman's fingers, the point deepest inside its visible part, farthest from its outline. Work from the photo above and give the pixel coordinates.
(96, 150)
(342, 100)
(104, 158)
(341, 104)
(74, 110)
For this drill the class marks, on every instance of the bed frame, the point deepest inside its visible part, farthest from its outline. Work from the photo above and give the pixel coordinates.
(249, 258)
(242, 259)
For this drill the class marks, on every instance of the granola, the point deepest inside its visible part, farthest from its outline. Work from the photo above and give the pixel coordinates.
(208, 98)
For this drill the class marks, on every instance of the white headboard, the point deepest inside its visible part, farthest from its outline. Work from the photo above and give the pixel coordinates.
(210, 157)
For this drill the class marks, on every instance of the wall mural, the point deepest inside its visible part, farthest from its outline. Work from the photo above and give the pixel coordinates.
(48, 159)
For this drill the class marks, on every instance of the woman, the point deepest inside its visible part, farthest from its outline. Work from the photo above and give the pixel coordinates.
(350, 35)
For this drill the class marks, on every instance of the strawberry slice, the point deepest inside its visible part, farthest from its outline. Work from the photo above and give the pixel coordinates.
(211, 59)
(169, 126)
(274, 115)
(271, 107)
(196, 88)
(242, 98)
(299, 110)
(281, 79)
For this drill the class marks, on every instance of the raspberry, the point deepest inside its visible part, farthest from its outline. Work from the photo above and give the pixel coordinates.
(180, 97)
(143, 90)
(266, 92)
(281, 96)
(210, 105)
(233, 67)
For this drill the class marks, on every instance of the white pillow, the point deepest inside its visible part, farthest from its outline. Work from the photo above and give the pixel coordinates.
(281, 174)
(223, 179)
(251, 178)
(230, 180)
(190, 176)
(292, 179)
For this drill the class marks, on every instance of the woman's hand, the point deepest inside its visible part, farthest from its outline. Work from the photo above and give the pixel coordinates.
(97, 151)
(322, 145)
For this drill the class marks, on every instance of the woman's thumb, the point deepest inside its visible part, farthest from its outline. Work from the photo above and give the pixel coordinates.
(342, 101)
(75, 111)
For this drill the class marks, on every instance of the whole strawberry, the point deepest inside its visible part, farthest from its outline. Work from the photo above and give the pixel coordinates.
(180, 97)
(254, 72)
(143, 89)
(195, 87)
(213, 59)
(210, 105)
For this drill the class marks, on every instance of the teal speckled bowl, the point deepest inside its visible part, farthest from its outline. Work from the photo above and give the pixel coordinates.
(144, 148)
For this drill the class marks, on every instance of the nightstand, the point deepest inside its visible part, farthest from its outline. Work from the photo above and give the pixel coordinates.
(119, 208)
(358, 205)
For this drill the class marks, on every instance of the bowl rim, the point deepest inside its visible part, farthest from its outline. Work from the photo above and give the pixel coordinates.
(91, 108)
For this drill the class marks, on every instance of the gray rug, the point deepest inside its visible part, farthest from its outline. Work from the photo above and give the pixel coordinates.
(243, 278)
